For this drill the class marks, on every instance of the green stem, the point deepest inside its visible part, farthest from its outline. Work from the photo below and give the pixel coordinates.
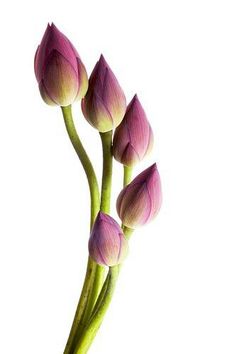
(85, 161)
(101, 295)
(95, 201)
(95, 288)
(127, 175)
(127, 232)
(95, 322)
(107, 171)
(89, 277)
(98, 278)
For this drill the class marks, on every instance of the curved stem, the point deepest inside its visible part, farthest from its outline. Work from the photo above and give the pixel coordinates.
(96, 320)
(95, 203)
(127, 175)
(85, 161)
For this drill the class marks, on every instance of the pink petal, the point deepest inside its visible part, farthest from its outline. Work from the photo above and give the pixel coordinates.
(136, 206)
(45, 96)
(96, 113)
(113, 97)
(60, 79)
(53, 39)
(154, 188)
(129, 156)
(138, 126)
(141, 200)
(83, 80)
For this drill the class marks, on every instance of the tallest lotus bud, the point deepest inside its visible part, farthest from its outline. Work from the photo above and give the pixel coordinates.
(104, 104)
(60, 73)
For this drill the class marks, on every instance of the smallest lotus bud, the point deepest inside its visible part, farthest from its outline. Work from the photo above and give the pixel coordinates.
(107, 244)
(133, 138)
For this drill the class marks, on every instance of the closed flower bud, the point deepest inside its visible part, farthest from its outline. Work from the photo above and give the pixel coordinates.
(107, 244)
(104, 104)
(60, 73)
(133, 138)
(140, 201)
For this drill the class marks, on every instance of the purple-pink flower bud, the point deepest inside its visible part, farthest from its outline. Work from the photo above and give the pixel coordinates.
(139, 202)
(60, 73)
(133, 138)
(107, 244)
(104, 104)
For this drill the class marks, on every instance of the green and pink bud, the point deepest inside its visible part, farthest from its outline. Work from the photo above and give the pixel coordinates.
(107, 244)
(60, 73)
(140, 201)
(104, 104)
(133, 138)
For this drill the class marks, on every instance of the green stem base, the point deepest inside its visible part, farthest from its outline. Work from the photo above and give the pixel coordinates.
(97, 318)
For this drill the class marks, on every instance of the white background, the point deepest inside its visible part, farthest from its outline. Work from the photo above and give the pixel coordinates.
(176, 293)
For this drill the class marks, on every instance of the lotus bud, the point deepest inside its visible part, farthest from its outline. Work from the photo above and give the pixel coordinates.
(107, 244)
(104, 104)
(133, 138)
(139, 202)
(60, 73)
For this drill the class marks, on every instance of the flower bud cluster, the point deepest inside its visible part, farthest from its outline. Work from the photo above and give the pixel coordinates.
(62, 79)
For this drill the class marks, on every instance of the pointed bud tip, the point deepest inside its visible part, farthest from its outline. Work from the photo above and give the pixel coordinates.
(135, 101)
(51, 26)
(54, 28)
(48, 29)
(153, 166)
(102, 60)
(151, 170)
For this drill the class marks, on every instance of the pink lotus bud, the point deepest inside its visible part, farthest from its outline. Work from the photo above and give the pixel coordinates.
(104, 104)
(60, 73)
(133, 138)
(107, 244)
(139, 202)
